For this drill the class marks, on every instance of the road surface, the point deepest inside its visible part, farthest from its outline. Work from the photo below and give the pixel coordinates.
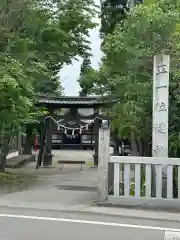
(21, 224)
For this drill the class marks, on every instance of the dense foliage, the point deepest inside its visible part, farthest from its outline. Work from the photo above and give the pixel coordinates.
(87, 76)
(126, 70)
(114, 12)
(37, 39)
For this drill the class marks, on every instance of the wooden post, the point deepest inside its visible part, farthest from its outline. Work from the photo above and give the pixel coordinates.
(47, 161)
(160, 114)
(103, 158)
(42, 143)
(96, 124)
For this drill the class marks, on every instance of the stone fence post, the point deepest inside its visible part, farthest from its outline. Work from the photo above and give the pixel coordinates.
(103, 158)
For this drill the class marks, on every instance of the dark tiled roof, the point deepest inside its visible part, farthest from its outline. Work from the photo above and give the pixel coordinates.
(65, 100)
(79, 101)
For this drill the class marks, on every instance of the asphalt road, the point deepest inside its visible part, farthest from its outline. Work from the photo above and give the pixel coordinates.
(18, 224)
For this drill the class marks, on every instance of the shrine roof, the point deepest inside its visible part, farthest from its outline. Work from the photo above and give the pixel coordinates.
(68, 101)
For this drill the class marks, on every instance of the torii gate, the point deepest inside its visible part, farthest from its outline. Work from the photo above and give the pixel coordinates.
(54, 103)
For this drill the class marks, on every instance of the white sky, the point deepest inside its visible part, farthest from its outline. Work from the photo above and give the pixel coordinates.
(69, 74)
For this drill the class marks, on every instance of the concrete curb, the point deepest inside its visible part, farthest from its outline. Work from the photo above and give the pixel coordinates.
(137, 207)
(100, 211)
(25, 159)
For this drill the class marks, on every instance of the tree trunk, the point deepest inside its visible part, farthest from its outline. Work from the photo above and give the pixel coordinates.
(144, 148)
(2, 162)
(134, 150)
(47, 158)
(42, 144)
(97, 124)
(111, 165)
(19, 142)
(110, 178)
(28, 144)
(140, 147)
(116, 143)
(4, 152)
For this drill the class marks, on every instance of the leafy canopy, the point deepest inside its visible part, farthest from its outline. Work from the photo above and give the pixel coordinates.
(127, 66)
(37, 39)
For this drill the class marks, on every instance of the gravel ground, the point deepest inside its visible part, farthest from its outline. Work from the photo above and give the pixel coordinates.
(12, 182)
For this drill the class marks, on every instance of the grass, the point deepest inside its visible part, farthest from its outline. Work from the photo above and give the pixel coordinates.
(12, 182)
(132, 189)
(90, 164)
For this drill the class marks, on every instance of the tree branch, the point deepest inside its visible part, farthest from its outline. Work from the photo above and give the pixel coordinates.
(3, 108)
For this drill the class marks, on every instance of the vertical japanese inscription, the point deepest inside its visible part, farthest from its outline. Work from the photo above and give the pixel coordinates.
(161, 127)
(160, 106)
(162, 68)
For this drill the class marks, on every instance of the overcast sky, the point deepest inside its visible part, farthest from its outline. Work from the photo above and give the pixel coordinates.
(70, 73)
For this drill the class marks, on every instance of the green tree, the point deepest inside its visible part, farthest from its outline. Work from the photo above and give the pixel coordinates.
(127, 68)
(86, 65)
(86, 74)
(63, 39)
(39, 37)
(45, 36)
(15, 102)
(114, 12)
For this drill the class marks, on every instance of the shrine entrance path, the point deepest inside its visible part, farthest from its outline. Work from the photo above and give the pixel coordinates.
(55, 188)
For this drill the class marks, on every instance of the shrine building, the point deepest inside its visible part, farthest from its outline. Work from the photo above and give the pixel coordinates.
(75, 126)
